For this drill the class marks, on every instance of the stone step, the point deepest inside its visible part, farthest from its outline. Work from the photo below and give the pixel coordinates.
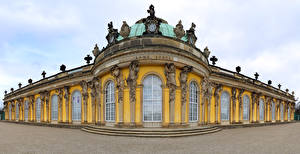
(152, 135)
(120, 131)
(151, 129)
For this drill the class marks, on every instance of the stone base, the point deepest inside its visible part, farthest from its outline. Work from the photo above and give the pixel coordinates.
(238, 122)
(119, 125)
(173, 125)
(100, 123)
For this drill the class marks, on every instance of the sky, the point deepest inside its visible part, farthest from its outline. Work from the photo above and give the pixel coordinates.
(259, 35)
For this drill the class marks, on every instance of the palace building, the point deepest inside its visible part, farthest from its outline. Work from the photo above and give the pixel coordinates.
(150, 74)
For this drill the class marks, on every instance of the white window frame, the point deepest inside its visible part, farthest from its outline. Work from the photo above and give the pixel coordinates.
(193, 101)
(76, 109)
(246, 99)
(261, 109)
(38, 109)
(54, 107)
(225, 98)
(110, 103)
(152, 99)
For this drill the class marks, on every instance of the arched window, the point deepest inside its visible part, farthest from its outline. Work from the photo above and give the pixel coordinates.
(38, 110)
(152, 99)
(76, 106)
(26, 110)
(281, 111)
(261, 109)
(193, 105)
(225, 103)
(54, 107)
(110, 105)
(246, 103)
(17, 111)
(273, 110)
(289, 113)
(9, 111)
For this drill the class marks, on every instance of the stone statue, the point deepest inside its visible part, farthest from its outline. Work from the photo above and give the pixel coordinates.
(206, 52)
(96, 51)
(112, 34)
(179, 31)
(117, 74)
(183, 82)
(151, 11)
(84, 86)
(171, 81)
(191, 35)
(131, 80)
(206, 88)
(193, 26)
(125, 30)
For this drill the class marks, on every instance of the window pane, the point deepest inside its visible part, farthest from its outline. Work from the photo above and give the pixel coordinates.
(225, 102)
(152, 99)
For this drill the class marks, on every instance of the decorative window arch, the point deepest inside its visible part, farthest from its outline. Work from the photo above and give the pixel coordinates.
(54, 107)
(110, 104)
(281, 111)
(9, 111)
(194, 101)
(152, 99)
(17, 111)
(38, 109)
(76, 106)
(261, 109)
(246, 107)
(26, 107)
(273, 109)
(225, 106)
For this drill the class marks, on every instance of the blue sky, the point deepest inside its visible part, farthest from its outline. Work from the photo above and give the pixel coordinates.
(259, 35)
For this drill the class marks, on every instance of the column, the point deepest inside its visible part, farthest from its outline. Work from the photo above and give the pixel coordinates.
(241, 91)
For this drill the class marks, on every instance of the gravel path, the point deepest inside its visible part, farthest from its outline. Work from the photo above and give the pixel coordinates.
(281, 139)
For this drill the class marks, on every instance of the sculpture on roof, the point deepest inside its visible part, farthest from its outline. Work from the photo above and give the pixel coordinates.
(191, 35)
(96, 50)
(125, 30)
(179, 31)
(151, 22)
(112, 34)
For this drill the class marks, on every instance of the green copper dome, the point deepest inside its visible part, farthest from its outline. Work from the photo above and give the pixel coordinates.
(139, 28)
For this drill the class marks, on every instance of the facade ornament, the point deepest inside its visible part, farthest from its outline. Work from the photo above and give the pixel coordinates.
(206, 53)
(241, 91)
(179, 31)
(95, 93)
(183, 86)
(132, 82)
(171, 80)
(67, 97)
(233, 98)
(125, 30)
(254, 98)
(206, 92)
(112, 35)
(151, 22)
(117, 74)
(191, 35)
(96, 51)
(60, 102)
(170, 71)
(85, 95)
(218, 89)
(183, 82)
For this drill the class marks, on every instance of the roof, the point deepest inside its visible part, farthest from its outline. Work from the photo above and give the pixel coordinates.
(139, 28)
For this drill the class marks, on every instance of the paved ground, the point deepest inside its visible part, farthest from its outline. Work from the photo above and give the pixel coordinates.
(281, 139)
